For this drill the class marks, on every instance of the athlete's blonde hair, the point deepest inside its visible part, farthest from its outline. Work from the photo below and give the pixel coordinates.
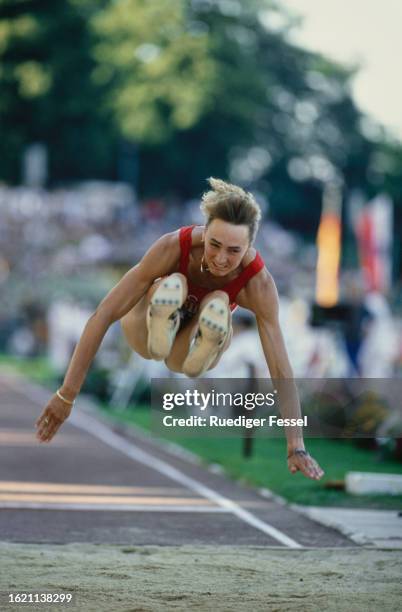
(232, 204)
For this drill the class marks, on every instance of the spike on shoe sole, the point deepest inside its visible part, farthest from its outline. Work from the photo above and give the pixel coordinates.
(161, 322)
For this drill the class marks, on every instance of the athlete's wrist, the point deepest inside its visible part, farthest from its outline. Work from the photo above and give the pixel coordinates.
(297, 452)
(68, 393)
(295, 444)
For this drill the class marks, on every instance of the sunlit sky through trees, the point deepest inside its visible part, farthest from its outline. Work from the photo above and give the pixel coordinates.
(367, 33)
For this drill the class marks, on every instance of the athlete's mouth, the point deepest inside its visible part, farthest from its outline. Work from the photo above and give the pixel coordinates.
(219, 267)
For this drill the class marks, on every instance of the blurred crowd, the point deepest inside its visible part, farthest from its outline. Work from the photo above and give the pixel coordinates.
(62, 250)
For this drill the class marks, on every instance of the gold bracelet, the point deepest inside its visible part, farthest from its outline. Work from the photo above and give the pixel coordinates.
(64, 399)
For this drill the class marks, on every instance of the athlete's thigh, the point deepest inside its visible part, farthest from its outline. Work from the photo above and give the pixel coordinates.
(134, 323)
(181, 345)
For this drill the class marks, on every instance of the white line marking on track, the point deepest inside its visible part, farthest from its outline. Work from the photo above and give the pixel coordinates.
(100, 431)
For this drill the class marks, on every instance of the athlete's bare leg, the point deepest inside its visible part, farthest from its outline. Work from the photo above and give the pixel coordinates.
(134, 323)
(185, 336)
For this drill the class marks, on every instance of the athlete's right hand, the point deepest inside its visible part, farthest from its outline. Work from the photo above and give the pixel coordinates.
(51, 419)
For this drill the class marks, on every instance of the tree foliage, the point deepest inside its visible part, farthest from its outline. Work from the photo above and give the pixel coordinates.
(159, 73)
(47, 93)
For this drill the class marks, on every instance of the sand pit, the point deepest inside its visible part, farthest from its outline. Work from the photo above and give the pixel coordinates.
(156, 579)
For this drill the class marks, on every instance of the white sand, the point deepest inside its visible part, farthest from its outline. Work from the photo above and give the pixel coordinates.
(153, 579)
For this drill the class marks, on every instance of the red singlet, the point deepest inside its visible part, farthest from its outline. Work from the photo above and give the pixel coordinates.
(196, 293)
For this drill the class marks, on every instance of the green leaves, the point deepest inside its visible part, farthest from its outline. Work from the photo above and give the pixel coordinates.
(160, 74)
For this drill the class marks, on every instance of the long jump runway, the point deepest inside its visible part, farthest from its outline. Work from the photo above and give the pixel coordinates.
(93, 484)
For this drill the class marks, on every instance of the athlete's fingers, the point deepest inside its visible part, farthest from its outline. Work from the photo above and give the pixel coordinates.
(47, 429)
(311, 468)
(50, 434)
(41, 430)
(47, 433)
(293, 468)
(42, 433)
(45, 415)
(317, 471)
(308, 469)
(307, 465)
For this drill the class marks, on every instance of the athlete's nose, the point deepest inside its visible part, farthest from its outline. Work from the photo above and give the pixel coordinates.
(220, 259)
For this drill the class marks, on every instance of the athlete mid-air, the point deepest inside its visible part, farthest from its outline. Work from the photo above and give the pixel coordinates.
(175, 305)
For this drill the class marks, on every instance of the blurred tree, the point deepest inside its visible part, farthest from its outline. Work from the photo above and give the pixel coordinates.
(159, 72)
(47, 94)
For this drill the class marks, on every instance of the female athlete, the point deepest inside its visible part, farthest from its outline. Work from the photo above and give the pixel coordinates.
(176, 303)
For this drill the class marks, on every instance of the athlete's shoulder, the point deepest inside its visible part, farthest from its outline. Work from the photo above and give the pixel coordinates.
(168, 240)
(248, 257)
(196, 232)
(197, 235)
(171, 240)
(166, 246)
(259, 291)
(161, 258)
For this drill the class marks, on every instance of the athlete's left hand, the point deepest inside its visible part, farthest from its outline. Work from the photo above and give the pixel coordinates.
(301, 460)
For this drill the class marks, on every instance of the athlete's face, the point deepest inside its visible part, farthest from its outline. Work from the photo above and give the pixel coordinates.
(225, 245)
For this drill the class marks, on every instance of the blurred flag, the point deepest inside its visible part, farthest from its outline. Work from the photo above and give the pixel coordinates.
(329, 248)
(374, 235)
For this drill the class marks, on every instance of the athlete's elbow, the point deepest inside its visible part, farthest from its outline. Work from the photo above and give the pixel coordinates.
(284, 372)
(103, 316)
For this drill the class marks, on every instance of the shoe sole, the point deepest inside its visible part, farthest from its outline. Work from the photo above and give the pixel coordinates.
(168, 298)
(213, 325)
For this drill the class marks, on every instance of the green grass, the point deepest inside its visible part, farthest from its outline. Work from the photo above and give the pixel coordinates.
(37, 369)
(267, 466)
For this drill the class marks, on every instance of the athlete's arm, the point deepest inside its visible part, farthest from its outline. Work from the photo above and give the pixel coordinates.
(261, 297)
(159, 260)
